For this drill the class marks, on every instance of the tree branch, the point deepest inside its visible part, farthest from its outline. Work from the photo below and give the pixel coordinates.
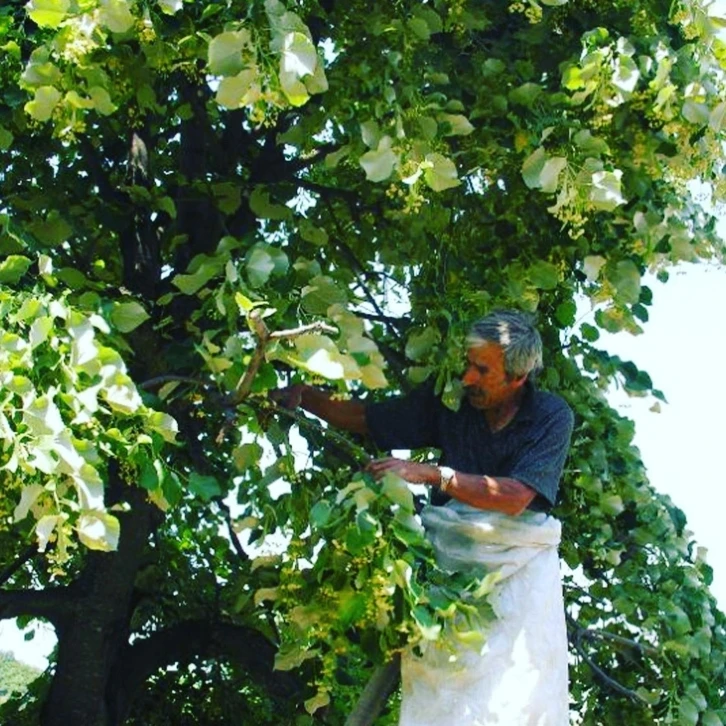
(53, 604)
(18, 563)
(188, 640)
(381, 685)
(263, 338)
(596, 669)
(160, 380)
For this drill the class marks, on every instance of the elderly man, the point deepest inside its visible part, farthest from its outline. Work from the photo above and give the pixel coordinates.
(502, 455)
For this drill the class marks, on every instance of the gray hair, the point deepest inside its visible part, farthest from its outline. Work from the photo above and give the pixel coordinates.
(519, 339)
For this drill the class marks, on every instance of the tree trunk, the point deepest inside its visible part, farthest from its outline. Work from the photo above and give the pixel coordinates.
(96, 628)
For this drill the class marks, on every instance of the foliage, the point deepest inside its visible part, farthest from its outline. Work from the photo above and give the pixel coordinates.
(14, 676)
(202, 201)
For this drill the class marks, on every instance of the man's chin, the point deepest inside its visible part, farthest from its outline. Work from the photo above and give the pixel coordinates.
(476, 401)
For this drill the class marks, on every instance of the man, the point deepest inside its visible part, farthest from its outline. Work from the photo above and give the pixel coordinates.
(502, 456)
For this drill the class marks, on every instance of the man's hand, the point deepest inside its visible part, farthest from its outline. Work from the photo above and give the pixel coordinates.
(410, 471)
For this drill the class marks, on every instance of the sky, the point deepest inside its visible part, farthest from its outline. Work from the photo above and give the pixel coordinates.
(683, 349)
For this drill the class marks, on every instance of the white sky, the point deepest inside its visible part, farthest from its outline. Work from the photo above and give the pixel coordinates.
(683, 348)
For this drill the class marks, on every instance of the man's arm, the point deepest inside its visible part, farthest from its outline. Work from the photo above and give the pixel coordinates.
(497, 493)
(345, 415)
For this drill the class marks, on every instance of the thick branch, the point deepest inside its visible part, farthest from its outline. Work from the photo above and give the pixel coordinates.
(205, 639)
(381, 685)
(53, 604)
(596, 669)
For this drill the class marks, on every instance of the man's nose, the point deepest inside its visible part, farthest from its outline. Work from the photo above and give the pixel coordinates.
(469, 377)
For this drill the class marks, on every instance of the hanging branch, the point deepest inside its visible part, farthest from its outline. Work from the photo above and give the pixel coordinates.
(596, 669)
(353, 260)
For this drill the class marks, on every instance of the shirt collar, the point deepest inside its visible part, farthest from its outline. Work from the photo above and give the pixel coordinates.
(526, 410)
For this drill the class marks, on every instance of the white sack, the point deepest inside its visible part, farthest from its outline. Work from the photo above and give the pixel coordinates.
(520, 677)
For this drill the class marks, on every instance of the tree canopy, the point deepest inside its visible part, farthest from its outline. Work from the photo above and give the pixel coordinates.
(203, 201)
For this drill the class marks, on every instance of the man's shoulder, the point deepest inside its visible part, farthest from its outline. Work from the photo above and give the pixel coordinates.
(547, 404)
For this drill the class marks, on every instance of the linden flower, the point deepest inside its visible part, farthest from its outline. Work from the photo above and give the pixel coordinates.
(75, 42)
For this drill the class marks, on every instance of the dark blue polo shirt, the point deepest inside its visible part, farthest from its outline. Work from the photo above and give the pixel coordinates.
(531, 448)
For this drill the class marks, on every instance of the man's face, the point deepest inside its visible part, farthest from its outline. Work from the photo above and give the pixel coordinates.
(486, 383)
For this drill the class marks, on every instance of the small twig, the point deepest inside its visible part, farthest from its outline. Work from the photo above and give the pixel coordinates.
(160, 380)
(361, 456)
(301, 330)
(230, 530)
(18, 563)
(350, 255)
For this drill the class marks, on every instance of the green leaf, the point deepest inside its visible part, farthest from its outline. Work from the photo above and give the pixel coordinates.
(128, 316)
(224, 55)
(589, 332)
(99, 531)
(299, 56)
(542, 172)
(263, 260)
(320, 293)
(43, 104)
(457, 125)
(263, 208)
(207, 269)
(606, 190)
(532, 167)
(319, 700)
(550, 175)
(48, 13)
(116, 16)
(688, 713)
(12, 268)
(170, 7)
(544, 275)
(591, 266)
(291, 656)
(164, 425)
(625, 277)
(379, 164)
(6, 139)
(320, 514)
(101, 100)
(566, 313)
(419, 343)
(205, 486)
(245, 456)
(440, 172)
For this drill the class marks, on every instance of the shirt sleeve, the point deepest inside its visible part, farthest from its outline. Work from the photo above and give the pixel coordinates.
(543, 454)
(405, 422)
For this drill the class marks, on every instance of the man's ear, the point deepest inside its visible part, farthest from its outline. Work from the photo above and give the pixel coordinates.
(520, 381)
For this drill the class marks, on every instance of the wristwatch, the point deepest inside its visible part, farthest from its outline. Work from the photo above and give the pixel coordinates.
(446, 474)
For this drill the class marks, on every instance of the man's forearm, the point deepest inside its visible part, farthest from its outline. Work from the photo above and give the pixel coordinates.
(500, 494)
(345, 415)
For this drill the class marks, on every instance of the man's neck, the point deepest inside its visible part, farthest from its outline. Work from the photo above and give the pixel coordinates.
(499, 417)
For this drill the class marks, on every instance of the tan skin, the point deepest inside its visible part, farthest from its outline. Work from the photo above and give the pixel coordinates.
(488, 388)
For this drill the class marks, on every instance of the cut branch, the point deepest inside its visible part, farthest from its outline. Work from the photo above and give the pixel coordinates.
(263, 338)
